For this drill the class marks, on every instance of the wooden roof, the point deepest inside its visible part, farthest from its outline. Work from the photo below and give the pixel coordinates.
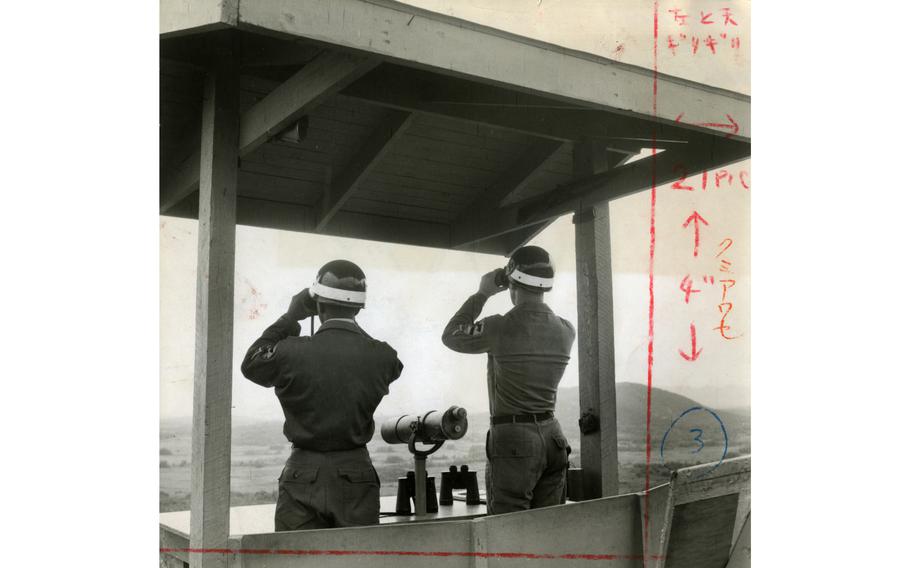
(422, 129)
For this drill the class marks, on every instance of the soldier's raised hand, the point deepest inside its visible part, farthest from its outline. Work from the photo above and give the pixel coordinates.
(303, 305)
(488, 285)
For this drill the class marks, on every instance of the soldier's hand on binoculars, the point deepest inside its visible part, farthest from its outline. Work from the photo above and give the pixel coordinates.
(488, 285)
(302, 306)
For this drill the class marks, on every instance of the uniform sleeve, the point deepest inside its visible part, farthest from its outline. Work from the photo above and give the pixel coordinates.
(262, 363)
(395, 364)
(572, 332)
(465, 335)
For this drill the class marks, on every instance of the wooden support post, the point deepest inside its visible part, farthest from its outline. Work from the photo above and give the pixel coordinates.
(596, 366)
(211, 458)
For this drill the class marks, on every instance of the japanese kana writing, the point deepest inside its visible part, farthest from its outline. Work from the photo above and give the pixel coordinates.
(709, 31)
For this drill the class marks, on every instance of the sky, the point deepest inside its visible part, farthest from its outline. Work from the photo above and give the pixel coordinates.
(413, 291)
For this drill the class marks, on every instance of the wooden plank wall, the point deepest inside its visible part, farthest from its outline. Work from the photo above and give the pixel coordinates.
(414, 538)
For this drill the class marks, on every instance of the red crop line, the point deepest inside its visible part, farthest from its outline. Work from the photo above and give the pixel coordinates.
(314, 552)
(653, 239)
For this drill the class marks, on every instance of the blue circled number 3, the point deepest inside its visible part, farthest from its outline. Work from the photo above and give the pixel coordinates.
(698, 439)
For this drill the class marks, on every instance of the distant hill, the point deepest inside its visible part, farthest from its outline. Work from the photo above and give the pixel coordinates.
(631, 410)
(631, 404)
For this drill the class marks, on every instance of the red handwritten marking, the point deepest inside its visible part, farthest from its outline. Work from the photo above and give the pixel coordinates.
(695, 353)
(647, 518)
(731, 124)
(695, 218)
(727, 284)
(722, 174)
(682, 177)
(679, 18)
(743, 181)
(705, 18)
(719, 177)
(723, 249)
(723, 327)
(314, 552)
(686, 286)
(711, 43)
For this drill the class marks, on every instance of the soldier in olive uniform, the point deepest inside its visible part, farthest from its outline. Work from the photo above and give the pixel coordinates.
(527, 352)
(328, 385)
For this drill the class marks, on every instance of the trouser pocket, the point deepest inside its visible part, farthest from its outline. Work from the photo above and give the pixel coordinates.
(360, 495)
(560, 455)
(295, 509)
(514, 467)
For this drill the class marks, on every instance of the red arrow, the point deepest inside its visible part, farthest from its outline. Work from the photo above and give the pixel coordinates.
(731, 124)
(695, 353)
(694, 218)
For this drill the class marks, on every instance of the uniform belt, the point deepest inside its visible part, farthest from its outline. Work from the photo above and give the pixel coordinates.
(511, 418)
(305, 449)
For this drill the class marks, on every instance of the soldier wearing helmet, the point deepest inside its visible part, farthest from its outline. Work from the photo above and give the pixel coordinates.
(527, 352)
(329, 384)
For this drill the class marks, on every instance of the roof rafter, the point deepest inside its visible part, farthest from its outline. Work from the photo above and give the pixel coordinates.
(510, 183)
(288, 216)
(305, 90)
(421, 91)
(611, 184)
(377, 145)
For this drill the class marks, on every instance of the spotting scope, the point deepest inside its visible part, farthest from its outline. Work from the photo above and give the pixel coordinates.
(430, 428)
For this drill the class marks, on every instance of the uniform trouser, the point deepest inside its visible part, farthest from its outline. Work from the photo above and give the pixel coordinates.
(327, 489)
(526, 466)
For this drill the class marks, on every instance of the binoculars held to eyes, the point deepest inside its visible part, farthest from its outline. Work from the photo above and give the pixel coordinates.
(502, 279)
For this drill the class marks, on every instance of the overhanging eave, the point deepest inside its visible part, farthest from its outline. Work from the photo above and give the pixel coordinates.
(420, 38)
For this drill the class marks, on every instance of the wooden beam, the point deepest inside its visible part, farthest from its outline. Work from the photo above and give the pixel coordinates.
(422, 91)
(210, 478)
(286, 216)
(182, 180)
(177, 17)
(656, 518)
(287, 103)
(612, 184)
(596, 359)
(377, 145)
(666, 166)
(508, 243)
(305, 90)
(511, 183)
(450, 46)
(268, 51)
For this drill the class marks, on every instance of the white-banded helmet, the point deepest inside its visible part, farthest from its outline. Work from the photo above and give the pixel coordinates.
(340, 282)
(530, 268)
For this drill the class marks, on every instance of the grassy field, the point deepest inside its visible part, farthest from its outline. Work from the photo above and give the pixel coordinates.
(689, 437)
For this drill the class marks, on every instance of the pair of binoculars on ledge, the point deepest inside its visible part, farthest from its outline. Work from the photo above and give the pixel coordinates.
(452, 479)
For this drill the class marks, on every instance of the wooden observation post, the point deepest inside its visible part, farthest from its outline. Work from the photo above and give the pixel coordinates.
(373, 119)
